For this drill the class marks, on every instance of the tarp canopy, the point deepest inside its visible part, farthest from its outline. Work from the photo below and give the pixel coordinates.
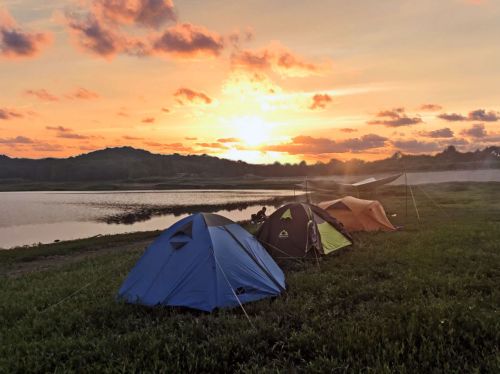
(358, 214)
(204, 261)
(368, 183)
(373, 182)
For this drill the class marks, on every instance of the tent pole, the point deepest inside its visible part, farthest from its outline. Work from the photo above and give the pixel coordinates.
(415, 204)
(307, 192)
(406, 197)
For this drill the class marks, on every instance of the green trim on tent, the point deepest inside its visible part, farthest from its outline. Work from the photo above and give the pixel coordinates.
(287, 214)
(331, 238)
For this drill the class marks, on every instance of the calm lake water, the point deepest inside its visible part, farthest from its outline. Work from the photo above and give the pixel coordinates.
(42, 217)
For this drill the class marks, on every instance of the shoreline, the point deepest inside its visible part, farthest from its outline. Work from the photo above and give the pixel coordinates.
(250, 182)
(145, 213)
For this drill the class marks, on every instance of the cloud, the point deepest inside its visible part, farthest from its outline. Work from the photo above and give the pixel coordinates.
(395, 118)
(452, 117)
(148, 120)
(165, 110)
(416, 146)
(93, 36)
(146, 13)
(276, 58)
(441, 133)
(186, 40)
(483, 115)
(348, 130)
(304, 144)
(238, 36)
(177, 147)
(430, 107)
(82, 94)
(228, 140)
(8, 114)
(16, 43)
(212, 145)
(320, 101)
(17, 140)
(59, 128)
(102, 30)
(45, 147)
(127, 137)
(190, 138)
(184, 95)
(79, 94)
(476, 131)
(71, 135)
(475, 115)
(42, 94)
(66, 133)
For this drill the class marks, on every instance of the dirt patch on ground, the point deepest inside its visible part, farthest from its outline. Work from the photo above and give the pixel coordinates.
(50, 262)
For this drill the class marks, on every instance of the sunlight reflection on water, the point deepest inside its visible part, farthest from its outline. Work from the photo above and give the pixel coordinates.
(32, 217)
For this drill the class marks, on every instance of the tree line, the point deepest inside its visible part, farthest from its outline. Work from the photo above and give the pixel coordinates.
(126, 163)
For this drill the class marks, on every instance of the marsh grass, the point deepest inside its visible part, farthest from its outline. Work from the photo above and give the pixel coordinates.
(424, 299)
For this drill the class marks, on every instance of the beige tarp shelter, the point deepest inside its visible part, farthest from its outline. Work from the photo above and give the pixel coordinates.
(358, 214)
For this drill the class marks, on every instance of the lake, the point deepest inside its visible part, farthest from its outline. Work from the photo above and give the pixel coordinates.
(42, 217)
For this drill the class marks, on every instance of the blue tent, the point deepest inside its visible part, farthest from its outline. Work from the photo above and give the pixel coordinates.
(204, 261)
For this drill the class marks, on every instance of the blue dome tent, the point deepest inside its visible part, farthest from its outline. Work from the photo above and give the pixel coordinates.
(204, 261)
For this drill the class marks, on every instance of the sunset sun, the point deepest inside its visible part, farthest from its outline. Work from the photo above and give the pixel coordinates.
(253, 131)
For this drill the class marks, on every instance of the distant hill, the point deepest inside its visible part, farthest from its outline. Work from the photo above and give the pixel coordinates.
(127, 163)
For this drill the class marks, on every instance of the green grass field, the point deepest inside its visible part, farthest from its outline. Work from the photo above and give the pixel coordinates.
(424, 299)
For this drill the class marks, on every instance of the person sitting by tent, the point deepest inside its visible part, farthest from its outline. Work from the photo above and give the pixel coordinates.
(260, 216)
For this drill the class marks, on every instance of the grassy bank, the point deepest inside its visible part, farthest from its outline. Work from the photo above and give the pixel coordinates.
(425, 299)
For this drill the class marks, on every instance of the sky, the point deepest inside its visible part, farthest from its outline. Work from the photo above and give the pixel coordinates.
(258, 81)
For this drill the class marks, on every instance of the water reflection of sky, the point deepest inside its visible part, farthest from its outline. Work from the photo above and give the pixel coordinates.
(32, 217)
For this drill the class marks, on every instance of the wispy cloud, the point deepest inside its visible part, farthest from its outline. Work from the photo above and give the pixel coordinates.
(186, 95)
(188, 41)
(440, 133)
(9, 114)
(304, 145)
(395, 118)
(476, 131)
(278, 59)
(16, 140)
(42, 94)
(18, 43)
(475, 115)
(319, 101)
(430, 107)
(146, 13)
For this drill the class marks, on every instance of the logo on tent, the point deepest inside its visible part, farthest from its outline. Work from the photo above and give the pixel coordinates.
(283, 234)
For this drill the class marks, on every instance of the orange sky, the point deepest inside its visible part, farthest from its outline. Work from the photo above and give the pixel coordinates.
(260, 81)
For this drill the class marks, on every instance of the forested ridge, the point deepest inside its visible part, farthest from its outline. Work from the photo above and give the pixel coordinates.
(126, 163)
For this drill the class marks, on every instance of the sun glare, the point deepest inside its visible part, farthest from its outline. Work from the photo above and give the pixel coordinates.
(252, 131)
